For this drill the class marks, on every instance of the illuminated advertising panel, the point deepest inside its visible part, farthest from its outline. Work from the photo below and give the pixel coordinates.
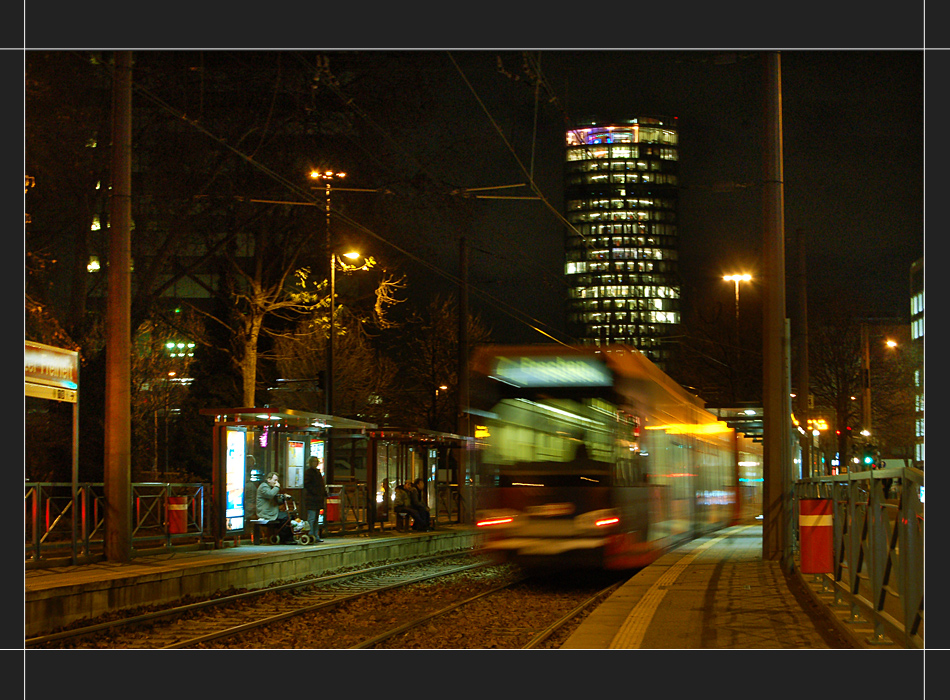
(294, 464)
(552, 371)
(234, 480)
(316, 450)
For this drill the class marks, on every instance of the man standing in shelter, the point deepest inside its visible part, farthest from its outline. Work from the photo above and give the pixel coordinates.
(315, 496)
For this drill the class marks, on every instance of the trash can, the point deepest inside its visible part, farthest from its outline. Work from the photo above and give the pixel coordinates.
(333, 509)
(177, 515)
(816, 532)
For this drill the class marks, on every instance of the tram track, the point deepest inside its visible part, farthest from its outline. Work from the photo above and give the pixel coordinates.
(456, 601)
(553, 623)
(197, 623)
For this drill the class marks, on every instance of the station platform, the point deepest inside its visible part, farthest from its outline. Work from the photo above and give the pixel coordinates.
(58, 596)
(717, 592)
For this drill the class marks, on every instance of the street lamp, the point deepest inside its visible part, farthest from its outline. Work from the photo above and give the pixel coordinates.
(737, 279)
(866, 376)
(328, 176)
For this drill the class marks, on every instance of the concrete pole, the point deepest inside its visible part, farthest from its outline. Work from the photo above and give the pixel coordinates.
(865, 380)
(118, 408)
(775, 390)
(802, 407)
(463, 428)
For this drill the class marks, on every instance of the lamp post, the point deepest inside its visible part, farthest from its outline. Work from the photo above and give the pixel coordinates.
(328, 176)
(737, 279)
(866, 376)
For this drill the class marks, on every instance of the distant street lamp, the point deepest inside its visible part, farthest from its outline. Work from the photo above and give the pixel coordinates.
(737, 279)
(866, 377)
(328, 176)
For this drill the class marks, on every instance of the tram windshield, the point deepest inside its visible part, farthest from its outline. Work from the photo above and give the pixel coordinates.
(557, 442)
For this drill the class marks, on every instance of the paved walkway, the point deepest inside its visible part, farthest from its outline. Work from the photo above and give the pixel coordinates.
(713, 593)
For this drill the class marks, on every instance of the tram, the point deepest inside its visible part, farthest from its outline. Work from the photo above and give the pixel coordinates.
(593, 458)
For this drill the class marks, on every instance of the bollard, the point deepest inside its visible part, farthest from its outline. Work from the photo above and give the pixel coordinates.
(816, 531)
(177, 515)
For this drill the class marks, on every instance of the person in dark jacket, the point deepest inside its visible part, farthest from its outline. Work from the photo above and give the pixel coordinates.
(415, 501)
(403, 504)
(315, 496)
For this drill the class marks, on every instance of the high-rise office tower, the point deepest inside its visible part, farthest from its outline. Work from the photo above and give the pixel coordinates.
(917, 338)
(621, 252)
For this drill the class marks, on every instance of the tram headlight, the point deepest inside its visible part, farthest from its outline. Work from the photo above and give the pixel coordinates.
(599, 521)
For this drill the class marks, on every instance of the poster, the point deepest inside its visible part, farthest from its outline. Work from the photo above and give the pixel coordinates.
(234, 480)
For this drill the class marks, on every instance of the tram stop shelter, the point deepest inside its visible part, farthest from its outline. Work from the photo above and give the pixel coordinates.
(251, 442)
(397, 455)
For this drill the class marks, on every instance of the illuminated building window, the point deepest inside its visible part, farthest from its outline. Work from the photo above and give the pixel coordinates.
(621, 198)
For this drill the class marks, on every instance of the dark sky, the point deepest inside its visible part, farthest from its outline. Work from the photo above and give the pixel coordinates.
(853, 141)
(853, 166)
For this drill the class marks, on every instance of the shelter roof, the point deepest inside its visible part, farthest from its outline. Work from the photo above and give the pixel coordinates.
(283, 418)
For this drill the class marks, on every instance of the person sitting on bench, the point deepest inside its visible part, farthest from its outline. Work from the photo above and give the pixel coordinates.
(403, 504)
(269, 500)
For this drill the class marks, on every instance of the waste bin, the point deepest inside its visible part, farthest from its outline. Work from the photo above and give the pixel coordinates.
(177, 515)
(816, 532)
(333, 509)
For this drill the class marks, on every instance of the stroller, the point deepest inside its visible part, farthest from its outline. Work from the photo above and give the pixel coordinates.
(300, 528)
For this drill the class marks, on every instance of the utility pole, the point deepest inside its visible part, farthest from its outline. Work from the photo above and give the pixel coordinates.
(118, 408)
(463, 427)
(775, 389)
(802, 407)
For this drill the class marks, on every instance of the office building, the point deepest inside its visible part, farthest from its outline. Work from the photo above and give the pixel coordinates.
(621, 246)
(917, 340)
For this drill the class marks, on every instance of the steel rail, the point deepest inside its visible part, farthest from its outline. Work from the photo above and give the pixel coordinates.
(226, 600)
(544, 634)
(302, 610)
(373, 641)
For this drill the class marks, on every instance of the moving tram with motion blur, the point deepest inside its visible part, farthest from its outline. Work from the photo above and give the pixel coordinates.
(594, 458)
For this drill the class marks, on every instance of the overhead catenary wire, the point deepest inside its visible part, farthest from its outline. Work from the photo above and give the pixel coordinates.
(311, 199)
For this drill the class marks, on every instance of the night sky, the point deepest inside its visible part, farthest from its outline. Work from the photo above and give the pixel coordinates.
(853, 166)
(853, 151)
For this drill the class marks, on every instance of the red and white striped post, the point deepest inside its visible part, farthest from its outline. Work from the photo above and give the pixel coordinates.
(816, 532)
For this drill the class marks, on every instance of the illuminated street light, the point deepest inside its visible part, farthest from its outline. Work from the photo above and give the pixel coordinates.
(866, 376)
(328, 176)
(737, 279)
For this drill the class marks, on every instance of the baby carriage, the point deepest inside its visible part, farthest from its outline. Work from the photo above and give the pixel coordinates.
(299, 527)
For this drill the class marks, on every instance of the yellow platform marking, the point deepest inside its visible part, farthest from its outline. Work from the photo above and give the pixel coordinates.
(634, 628)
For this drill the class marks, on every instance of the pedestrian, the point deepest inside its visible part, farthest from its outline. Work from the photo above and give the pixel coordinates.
(315, 496)
(416, 501)
(403, 504)
(269, 500)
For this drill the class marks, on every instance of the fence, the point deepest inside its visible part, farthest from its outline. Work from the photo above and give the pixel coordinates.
(878, 542)
(51, 539)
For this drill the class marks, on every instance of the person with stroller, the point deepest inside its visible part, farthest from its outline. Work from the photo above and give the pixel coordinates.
(315, 496)
(269, 500)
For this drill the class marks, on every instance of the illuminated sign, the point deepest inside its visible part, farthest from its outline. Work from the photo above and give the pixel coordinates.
(234, 479)
(50, 373)
(553, 371)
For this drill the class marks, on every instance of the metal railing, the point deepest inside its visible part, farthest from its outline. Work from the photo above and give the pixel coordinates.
(60, 530)
(878, 542)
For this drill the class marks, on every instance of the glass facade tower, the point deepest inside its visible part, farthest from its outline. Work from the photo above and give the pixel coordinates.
(621, 249)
